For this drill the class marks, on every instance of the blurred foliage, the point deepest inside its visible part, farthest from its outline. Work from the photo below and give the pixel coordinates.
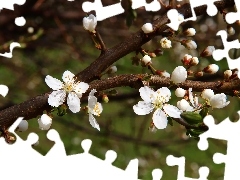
(64, 45)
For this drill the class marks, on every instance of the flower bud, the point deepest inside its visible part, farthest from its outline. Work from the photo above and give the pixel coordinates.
(90, 23)
(162, 73)
(207, 93)
(147, 28)
(180, 17)
(194, 61)
(230, 30)
(179, 74)
(198, 74)
(183, 105)
(146, 60)
(190, 32)
(227, 74)
(189, 44)
(180, 92)
(165, 43)
(207, 51)
(112, 69)
(105, 98)
(211, 69)
(186, 59)
(44, 122)
(23, 126)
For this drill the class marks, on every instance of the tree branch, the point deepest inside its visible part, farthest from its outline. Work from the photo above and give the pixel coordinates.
(35, 106)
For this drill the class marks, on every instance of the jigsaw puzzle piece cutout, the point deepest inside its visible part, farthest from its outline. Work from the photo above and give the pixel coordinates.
(229, 131)
(219, 54)
(180, 162)
(173, 13)
(157, 174)
(211, 8)
(9, 4)
(153, 6)
(174, 21)
(58, 148)
(101, 11)
(231, 17)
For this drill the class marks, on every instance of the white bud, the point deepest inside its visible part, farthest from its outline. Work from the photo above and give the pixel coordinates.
(194, 61)
(147, 28)
(23, 126)
(189, 44)
(180, 17)
(165, 74)
(183, 105)
(227, 74)
(44, 122)
(211, 69)
(231, 31)
(180, 92)
(190, 32)
(90, 23)
(207, 93)
(207, 51)
(179, 74)
(165, 43)
(112, 69)
(146, 60)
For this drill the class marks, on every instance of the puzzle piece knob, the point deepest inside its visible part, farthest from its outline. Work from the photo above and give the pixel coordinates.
(157, 174)
(110, 156)
(86, 144)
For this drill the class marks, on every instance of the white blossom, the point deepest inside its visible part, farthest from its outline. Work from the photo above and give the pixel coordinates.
(193, 100)
(23, 126)
(146, 59)
(147, 28)
(219, 101)
(190, 32)
(194, 61)
(180, 92)
(165, 43)
(70, 89)
(94, 108)
(156, 100)
(90, 23)
(3, 90)
(214, 100)
(44, 122)
(179, 74)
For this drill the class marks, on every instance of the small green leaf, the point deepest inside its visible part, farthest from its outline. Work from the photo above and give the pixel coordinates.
(204, 112)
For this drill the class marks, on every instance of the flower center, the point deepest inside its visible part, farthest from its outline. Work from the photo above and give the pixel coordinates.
(69, 87)
(97, 110)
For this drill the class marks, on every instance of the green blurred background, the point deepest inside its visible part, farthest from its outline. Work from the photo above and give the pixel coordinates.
(60, 43)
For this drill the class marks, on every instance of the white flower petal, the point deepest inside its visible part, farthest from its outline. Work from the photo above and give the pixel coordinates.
(179, 74)
(143, 108)
(219, 101)
(81, 88)
(3, 90)
(56, 98)
(68, 77)
(172, 111)
(23, 126)
(160, 119)
(146, 93)
(164, 92)
(53, 83)
(92, 100)
(93, 122)
(73, 102)
(90, 22)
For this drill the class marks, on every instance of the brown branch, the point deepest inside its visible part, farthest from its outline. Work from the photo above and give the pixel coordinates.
(35, 106)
